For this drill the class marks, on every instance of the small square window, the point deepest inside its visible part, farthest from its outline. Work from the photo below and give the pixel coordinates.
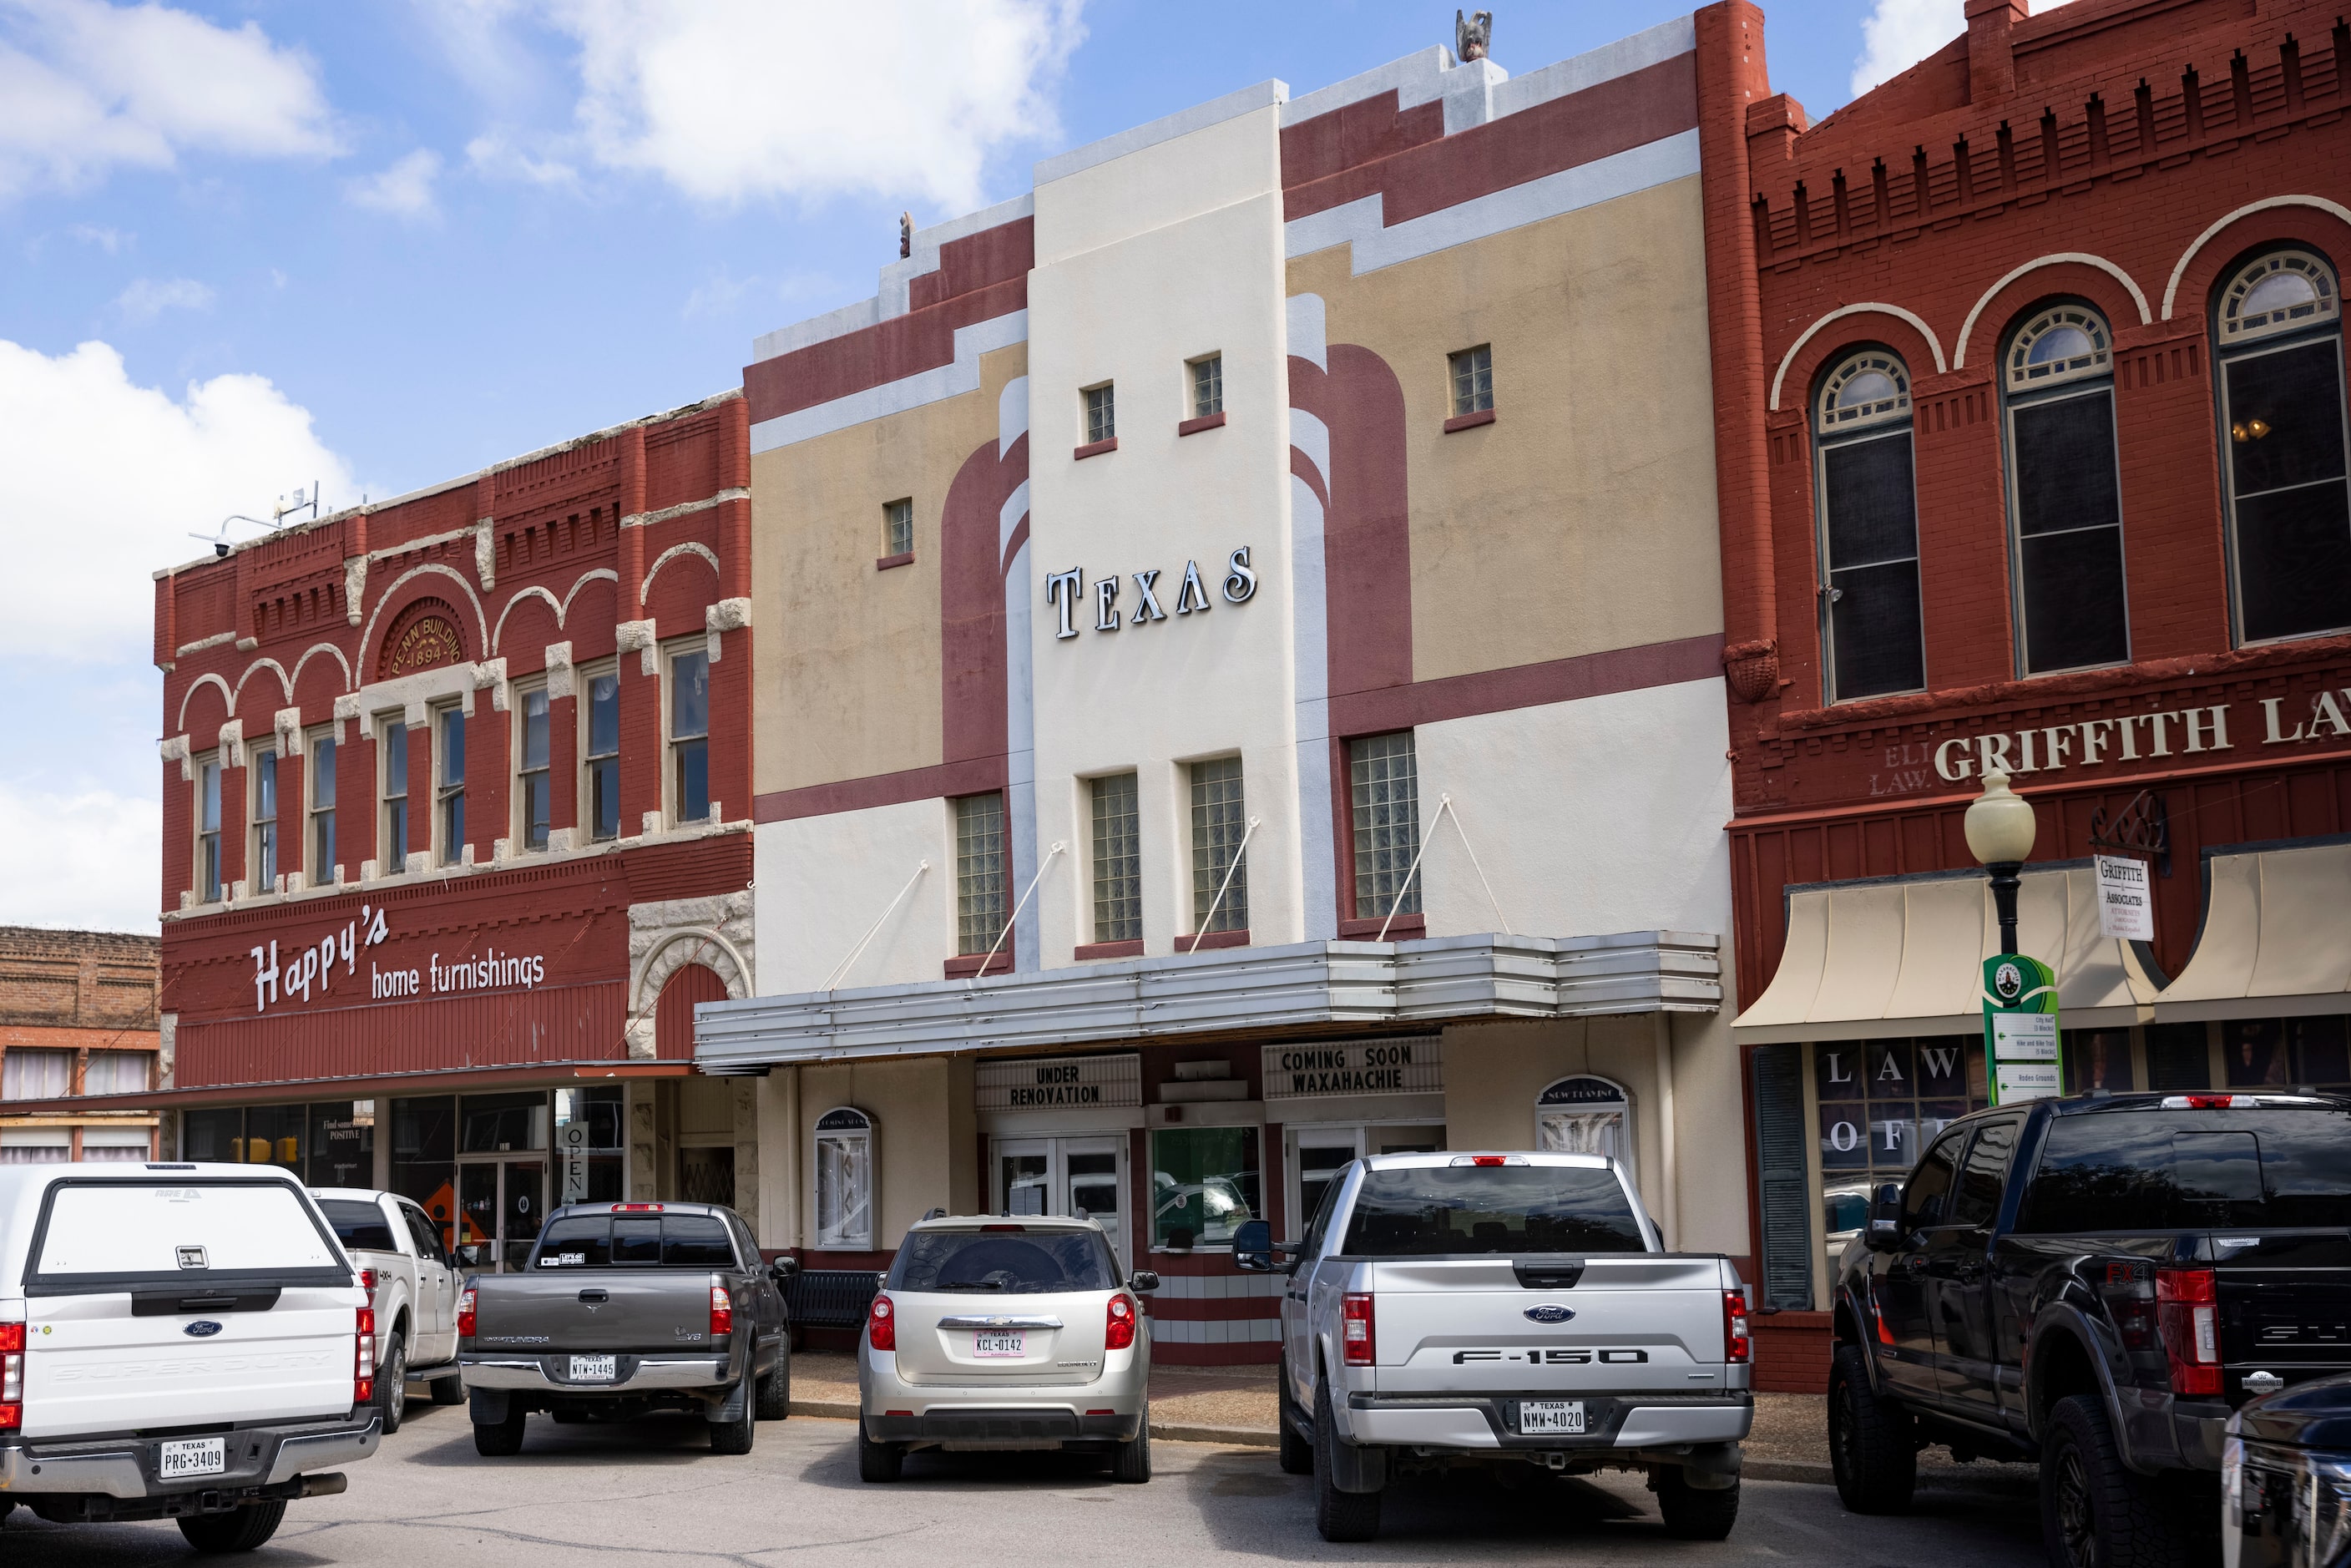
(1102, 413)
(1473, 380)
(1207, 386)
(898, 528)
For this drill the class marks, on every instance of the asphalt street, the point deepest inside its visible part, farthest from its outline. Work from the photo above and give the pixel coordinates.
(613, 1495)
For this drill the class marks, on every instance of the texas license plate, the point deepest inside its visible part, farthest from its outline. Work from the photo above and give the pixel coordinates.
(195, 1456)
(1014, 1344)
(1551, 1415)
(595, 1368)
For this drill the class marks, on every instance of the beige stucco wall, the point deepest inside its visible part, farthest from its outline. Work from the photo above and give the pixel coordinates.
(1583, 518)
(848, 658)
(929, 1150)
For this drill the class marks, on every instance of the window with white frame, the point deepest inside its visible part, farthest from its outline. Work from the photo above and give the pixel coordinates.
(1870, 616)
(534, 785)
(320, 799)
(1471, 374)
(1117, 859)
(600, 783)
(449, 782)
(392, 789)
(979, 872)
(845, 1184)
(689, 735)
(1208, 385)
(1219, 824)
(1102, 412)
(2065, 491)
(261, 855)
(208, 829)
(1383, 781)
(898, 526)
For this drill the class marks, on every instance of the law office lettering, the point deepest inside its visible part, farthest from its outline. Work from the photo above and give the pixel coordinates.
(1064, 590)
(2136, 737)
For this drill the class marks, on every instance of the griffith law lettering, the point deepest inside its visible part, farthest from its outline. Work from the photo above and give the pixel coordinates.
(2135, 737)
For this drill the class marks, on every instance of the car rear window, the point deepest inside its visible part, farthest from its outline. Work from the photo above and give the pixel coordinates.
(1417, 1213)
(646, 1241)
(997, 1263)
(170, 1231)
(360, 1226)
(2183, 1170)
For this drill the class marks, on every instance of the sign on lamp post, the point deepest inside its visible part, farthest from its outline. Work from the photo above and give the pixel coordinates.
(2022, 1052)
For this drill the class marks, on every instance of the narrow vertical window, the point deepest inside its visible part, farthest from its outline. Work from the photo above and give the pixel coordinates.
(1219, 822)
(1384, 780)
(1869, 530)
(898, 528)
(2284, 444)
(979, 872)
(321, 799)
(604, 757)
(689, 735)
(261, 863)
(1102, 412)
(208, 828)
(1207, 386)
(1473, 380)
(2065, 491)
(1118, 860)
(449, 787)
(533, 793)
(395, 798)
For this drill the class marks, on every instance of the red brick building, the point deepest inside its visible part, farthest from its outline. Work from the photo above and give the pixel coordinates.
(2032, 453)
(77, 1020)
(455, 832)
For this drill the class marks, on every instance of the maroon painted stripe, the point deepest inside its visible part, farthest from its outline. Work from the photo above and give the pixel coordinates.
(1527, 685)
(1303, 466)
(873, 356)
(967, 777)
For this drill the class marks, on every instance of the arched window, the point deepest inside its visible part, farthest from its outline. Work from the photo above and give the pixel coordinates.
(844, 1179)
(2279, 336)
(1869, 529)
(1586, 1115)
(2065, 491)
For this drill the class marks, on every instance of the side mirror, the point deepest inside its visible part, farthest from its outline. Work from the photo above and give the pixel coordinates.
(1253, 1246)
(1144, 1282)
(1884, 1232)
(784, 1269)
(469, 1256)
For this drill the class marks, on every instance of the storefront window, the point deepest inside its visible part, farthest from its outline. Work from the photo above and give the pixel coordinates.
(276, 1136)
(1204, 1185)
(2263, 1053)
(1881, 1102)
(2098, 1059)
(424, 1159)
(212, 1136)
(342, 1143)
(495, 1123)
(593, 1171)
(844, 1180)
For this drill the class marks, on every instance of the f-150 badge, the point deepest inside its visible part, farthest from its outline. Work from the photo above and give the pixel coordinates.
(1549, 1314)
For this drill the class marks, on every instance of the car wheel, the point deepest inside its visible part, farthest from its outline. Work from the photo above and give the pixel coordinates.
(1339, 1515)
(1131, 1462)
(2095, 1511)
(1691, 1514)
(391, 1385)
(238, 1530)
(496, 1439)
(878, 1462)
(449, 1390)
(734, 1436)
(1297, 1449)
(776, 1389)
(1873, 1448)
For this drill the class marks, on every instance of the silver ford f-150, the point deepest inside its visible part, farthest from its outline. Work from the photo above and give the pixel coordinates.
(1452, 1309)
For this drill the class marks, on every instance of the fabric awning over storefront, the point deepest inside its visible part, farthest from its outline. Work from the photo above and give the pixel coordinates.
(2276, 938)
(1904, 956)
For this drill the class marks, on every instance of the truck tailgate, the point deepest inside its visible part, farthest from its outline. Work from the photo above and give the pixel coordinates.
(641, 1309)
(1629, 1321)
(94, 1364)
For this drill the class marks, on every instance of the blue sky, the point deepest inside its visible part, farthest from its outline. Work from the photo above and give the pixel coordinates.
(379, 243)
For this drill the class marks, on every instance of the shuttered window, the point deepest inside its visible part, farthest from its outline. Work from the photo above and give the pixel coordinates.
(1785, 1186)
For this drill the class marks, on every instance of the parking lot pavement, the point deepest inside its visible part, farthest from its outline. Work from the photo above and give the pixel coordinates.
(652, 1492)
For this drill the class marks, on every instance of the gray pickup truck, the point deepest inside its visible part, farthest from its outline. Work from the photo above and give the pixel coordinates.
(624, 1309)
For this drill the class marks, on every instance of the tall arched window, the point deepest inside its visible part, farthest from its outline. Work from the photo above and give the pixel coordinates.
(1869, 529)
(2279, 336)
(2065, 491)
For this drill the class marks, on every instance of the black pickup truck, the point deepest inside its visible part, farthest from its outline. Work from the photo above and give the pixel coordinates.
(2094, 1284)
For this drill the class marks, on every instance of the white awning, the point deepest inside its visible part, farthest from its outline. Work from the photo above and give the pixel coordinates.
(2276, 938)
(1904, 956)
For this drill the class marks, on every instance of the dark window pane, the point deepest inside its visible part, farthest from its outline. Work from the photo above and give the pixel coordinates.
(636, 1240)
(2065, 464)
(1487, 1209)
(1874, 628)
(603, 714)
(1985, 1174)
(2286, 417)
(1929, 1196)
(696, 1241)
(360, 1227)
(1872, 514)
(689, 695)
(2293, 561)
(579, 1241)
(2152, 1170)
(604, 791)
(2073, 612)
(693, 781)
(1033, 1263)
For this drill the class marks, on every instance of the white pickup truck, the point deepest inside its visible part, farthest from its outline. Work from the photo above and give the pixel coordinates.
(182, 1342)
(411, 1283)
(1513, 1308)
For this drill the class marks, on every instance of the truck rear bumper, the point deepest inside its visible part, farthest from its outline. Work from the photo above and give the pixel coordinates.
(639, 1373)
(1615, 1421)
(130, 1467)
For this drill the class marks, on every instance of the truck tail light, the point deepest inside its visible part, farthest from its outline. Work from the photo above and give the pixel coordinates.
(368, 1281)
(881, 1325)
(1358, 1337)
(364, 1362)
(722, 1310)
(12, 1376)
(1738, 1347)
(1119, 1333)
(2188, 1315)
(466, 1314)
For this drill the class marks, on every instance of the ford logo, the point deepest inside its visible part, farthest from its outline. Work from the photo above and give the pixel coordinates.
(1547, 1313)
(202, 1328)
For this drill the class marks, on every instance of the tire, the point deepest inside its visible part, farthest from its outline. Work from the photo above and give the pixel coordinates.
(1339, 1515)
(497, 1439)
(2095, 1511)
(392, 1384)
(239, 1530)
(1297, 1450)
(878, 1462)
(1131, 1462)
(776, 1389)
(1691, 1514)
(449, 1390)
(734, 1436)
(1872, 1446)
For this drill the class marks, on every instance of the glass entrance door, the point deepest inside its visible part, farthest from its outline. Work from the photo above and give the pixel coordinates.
(1317, 1154)
(1075, 1176)
(501, 1205)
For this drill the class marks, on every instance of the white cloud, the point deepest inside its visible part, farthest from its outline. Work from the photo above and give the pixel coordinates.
(111, 241)
(1901, 32)
(404, 190)
(89, 527)
(145, 298)
(729, 100)
(86, 87)
(495, 157)
(84, 858)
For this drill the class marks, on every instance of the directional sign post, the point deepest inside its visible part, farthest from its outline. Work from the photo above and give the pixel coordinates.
(2021, 1047)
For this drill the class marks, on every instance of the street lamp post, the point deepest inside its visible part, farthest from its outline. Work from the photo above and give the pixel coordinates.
(2001, 829)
